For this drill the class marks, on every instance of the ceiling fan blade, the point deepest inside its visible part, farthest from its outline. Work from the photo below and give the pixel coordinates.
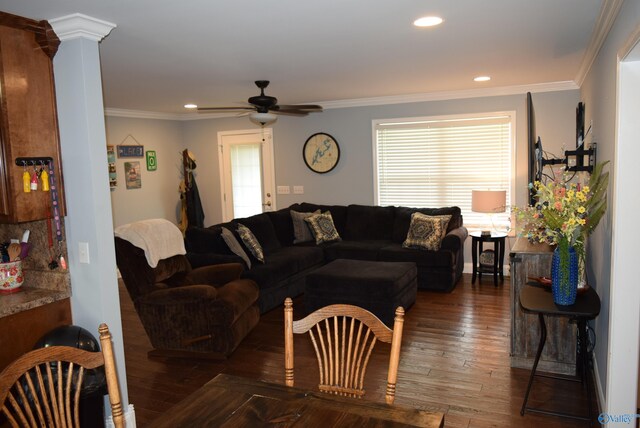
(223, 109)
(303, 107)
(290, 112)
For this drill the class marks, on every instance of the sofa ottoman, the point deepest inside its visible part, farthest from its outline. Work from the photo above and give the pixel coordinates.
(379, 287)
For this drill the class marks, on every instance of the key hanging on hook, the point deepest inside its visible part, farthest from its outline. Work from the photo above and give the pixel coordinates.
(26, 179)
(44, 176)
(63, 262)
(34, 178)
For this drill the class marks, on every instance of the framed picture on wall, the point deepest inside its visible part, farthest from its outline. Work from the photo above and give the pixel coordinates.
(132, 175)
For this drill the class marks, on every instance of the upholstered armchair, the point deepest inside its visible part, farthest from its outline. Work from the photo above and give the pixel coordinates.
(203, 312)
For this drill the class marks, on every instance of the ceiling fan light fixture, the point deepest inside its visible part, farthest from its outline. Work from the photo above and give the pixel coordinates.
(263, 118)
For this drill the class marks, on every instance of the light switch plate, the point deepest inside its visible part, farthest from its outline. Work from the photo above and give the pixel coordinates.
(283, 190)
(83, 252)
(298, 190)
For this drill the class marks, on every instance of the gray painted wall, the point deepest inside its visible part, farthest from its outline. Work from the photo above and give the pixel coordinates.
(158, 197)
(599, 94)
(352, 180)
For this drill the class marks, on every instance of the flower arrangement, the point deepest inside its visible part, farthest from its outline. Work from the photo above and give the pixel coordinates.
(565, 214)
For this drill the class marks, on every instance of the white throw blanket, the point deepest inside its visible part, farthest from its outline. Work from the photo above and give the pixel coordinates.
(158, 238)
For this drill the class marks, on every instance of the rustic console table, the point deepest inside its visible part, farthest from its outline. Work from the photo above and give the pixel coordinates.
(527, 262)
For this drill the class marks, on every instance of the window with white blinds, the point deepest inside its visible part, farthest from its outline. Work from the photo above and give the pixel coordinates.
(437, 162)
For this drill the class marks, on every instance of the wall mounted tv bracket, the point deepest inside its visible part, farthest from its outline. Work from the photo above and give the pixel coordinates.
(578, 154)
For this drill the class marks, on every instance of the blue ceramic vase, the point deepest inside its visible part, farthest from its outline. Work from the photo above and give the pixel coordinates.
(564, 275)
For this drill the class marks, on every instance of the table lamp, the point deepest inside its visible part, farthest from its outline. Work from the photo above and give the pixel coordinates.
(490, 202)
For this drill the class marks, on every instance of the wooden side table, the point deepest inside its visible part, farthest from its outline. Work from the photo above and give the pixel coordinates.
(477, 240)
(539, 301)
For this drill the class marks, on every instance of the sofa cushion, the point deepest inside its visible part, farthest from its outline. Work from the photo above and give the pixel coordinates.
(355, 250)
(206, 240)
(262, 228)
(283, 264)
(250, 241)
(426, 231)
(235, 247)
(301, 230)
(338, 214)
(402, 219)
(322, 228)
(369, 222)
(282, 224)
(424, 258)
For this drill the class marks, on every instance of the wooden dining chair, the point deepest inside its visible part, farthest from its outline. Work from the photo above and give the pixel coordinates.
(42, 387)
(343, 337)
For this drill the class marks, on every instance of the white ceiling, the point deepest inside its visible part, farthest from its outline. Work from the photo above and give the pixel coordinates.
(165, 53)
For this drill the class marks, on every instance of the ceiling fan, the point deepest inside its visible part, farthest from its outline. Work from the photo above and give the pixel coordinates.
(264, 108)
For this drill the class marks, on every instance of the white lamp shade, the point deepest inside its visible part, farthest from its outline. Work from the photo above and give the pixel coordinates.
(263, 118)
(488, 201)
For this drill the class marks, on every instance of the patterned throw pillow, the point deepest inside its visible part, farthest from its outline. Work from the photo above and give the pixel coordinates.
(323, 228)
(301, 231)
(234, 245)
(250, 241)
(426, 231)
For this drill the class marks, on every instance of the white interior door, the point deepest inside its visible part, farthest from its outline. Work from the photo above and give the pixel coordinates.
(246, 172)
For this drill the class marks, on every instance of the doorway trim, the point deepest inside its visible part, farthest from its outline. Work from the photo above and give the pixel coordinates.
(624, 324)
(268, 165)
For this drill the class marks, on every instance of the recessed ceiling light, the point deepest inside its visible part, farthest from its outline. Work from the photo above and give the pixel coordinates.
(427, 21)
(482, 79)
(190, 106)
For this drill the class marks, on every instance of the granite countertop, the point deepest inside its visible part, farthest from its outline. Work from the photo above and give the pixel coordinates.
(28, 298)
(41, 287)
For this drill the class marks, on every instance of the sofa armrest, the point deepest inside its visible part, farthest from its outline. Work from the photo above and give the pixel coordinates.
(219, 274)
(454, 240)
(207, 259)
(180, 295)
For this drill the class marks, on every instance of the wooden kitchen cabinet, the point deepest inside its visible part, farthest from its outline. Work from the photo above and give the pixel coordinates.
(28, 117)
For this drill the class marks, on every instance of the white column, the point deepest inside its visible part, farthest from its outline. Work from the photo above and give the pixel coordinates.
(84, 161)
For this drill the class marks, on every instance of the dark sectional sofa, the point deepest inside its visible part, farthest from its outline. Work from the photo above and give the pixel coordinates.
(368, 233)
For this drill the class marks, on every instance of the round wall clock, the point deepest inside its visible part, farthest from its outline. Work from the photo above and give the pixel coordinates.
(321, 153)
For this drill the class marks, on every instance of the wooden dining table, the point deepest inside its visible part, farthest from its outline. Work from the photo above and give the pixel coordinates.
(232, 401)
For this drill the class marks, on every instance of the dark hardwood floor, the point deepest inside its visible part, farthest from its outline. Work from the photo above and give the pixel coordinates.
(454, 359)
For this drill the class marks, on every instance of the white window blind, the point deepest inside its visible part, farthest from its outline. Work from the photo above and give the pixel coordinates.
(437, 162)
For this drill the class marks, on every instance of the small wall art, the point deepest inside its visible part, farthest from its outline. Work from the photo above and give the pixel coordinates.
(152, 161)
(132, 175)
(129, 150)
(111, 159)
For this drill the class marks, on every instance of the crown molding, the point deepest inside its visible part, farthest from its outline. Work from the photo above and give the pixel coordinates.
(606, 18)
(78, 25)
(450, 95)
(374, 101)
(142, 114)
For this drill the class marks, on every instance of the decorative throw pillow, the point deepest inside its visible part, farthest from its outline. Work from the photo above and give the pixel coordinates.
(301, 231)
(250, 241)
(426, 231)
(323, 228)
(234, 245)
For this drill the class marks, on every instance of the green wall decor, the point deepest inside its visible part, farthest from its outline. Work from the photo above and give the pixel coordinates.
(152, 161)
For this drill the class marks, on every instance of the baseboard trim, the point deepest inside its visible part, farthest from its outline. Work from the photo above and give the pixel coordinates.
(468, 268)
(129, 419)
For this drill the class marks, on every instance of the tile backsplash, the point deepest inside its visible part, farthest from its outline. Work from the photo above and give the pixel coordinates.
(36, 266)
